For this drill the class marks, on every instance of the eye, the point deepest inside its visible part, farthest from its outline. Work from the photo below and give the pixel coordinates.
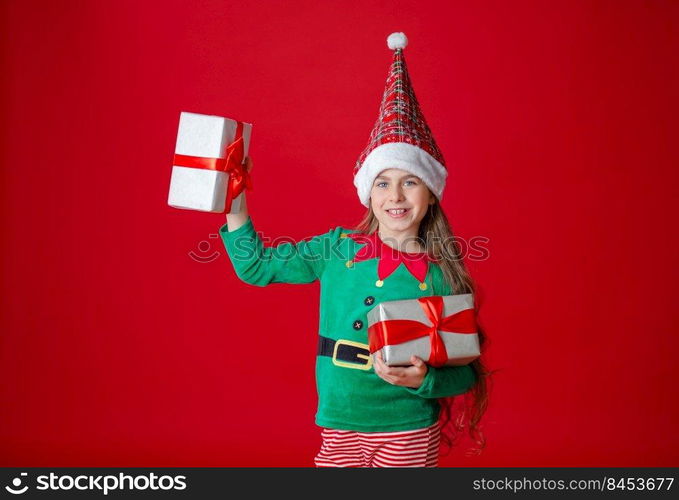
(379, 184)
(413, 182)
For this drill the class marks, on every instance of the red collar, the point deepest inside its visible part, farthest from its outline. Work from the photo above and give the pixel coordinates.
(390, 258)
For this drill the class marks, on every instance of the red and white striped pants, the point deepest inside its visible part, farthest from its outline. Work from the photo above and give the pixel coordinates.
(415, 448)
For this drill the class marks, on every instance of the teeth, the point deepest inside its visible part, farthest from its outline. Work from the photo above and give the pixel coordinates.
(396, 212)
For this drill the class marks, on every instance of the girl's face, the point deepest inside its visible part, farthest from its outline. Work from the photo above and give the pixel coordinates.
(394, 190)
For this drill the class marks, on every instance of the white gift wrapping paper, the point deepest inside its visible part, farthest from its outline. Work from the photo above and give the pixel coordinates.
(203, 189)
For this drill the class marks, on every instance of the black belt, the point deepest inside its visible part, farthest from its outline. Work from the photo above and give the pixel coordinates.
(345, 353)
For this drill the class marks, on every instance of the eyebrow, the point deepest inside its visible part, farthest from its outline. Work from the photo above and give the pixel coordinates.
(388, 178)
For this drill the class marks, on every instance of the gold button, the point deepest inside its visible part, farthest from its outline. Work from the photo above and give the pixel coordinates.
(379, 283)
(423, 286)
(343, 235)
(350, 263)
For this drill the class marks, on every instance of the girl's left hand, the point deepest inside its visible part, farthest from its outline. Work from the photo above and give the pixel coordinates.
(406, 376)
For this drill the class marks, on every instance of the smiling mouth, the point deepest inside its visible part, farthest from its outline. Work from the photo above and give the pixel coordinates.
(395, 212)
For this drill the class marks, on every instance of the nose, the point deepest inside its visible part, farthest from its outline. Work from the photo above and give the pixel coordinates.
(395, 193)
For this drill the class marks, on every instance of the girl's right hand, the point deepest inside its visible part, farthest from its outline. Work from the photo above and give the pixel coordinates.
(235, 221)
(248, 164)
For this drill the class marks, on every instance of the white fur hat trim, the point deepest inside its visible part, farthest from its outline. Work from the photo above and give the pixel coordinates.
(403, 156)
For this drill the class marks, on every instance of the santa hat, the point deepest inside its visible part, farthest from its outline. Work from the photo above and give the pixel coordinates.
(401, 137)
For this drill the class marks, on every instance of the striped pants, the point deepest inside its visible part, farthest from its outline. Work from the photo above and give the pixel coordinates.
(416, 448)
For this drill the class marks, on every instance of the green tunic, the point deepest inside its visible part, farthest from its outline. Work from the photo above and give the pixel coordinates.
(350, 397)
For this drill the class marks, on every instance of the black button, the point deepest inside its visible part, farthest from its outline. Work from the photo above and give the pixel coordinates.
(358, 324)
(370, 300)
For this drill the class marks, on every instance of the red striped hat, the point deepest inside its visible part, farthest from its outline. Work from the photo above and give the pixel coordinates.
(401, 137)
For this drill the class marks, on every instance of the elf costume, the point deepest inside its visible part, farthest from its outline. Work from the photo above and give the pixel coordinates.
(357, 271)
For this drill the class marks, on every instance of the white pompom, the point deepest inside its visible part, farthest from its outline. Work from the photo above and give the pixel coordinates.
(397, 41)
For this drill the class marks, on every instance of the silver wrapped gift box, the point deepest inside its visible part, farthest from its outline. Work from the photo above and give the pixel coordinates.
(455, 338)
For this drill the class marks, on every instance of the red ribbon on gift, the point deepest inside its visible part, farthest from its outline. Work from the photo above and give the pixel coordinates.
(239, 178)
(397, 331)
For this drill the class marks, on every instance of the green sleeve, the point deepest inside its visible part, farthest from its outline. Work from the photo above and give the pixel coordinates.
(259, 265)
(445, 381)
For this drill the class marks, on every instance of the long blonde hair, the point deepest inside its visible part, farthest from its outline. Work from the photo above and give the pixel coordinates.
(436, 236)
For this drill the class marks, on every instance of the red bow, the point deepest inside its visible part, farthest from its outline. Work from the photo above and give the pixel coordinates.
(397, 331)
(232, 164)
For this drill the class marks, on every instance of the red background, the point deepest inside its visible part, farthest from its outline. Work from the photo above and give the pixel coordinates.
(558, 124)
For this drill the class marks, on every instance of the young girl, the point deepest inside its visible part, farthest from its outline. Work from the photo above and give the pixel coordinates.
(373, 415)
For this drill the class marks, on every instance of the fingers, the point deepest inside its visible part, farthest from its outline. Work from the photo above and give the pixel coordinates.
(418, 363)
(388, 373)
(382, 366)
(410, 376)
(418, 366)
(396, 375)
(379, 365)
